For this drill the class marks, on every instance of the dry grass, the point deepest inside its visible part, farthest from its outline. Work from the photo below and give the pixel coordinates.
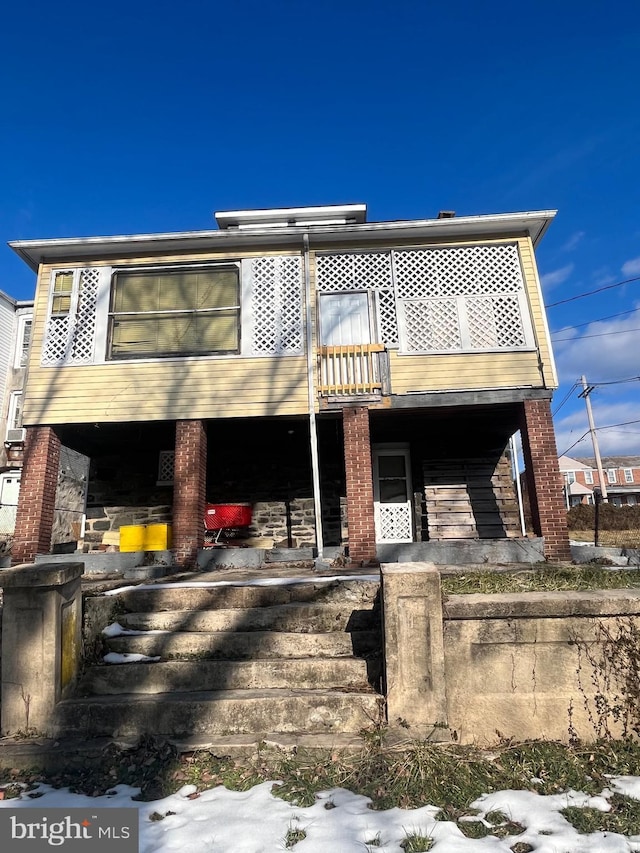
(542, 579)
(609, 538)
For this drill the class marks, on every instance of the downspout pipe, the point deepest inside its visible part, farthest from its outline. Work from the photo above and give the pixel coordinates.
(312, 391)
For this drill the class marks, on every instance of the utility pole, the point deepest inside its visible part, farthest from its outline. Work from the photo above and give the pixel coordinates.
(586, 390)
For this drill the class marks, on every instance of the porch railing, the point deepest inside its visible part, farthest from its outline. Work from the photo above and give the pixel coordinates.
(351, 369)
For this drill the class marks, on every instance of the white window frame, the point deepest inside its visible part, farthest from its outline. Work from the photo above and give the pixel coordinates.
(99, 341)
(14, 413)
(628, 475)
(174, 268)
(588, 477)
(22, 352)
(571, 477)
(612, 475)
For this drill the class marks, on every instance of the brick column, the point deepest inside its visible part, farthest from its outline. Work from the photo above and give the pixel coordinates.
(189, 491)
(36, 502)
(544, 481)
(359, 481)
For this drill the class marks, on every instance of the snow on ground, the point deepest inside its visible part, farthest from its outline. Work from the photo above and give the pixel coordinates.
(251, 582)
(221, 821)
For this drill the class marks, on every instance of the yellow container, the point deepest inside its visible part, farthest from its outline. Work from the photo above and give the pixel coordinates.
(132, 537)
(145, 537)
(157, 537)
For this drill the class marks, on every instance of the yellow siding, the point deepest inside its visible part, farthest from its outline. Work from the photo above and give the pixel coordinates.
(537, 311)
(460, 372)
(167, 389)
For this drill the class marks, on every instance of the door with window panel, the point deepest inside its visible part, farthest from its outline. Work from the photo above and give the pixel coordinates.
(392, 494)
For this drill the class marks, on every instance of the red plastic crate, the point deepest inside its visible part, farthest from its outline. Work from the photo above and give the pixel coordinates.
(221, 516)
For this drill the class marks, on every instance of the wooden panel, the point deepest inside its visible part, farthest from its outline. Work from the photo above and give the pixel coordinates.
(470, 499)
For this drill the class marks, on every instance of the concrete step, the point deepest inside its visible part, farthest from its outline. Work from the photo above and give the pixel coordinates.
(305, 618)
(184, 676)
(207, 597)
(188, 715)
(244, 645)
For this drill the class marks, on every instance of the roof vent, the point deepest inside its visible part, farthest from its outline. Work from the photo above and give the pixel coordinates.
(446, 214)
(288, 217)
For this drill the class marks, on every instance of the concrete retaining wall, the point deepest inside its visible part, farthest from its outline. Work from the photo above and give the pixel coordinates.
(488, 667)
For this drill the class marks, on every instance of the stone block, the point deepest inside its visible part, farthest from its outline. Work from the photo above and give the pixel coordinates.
(413, 648)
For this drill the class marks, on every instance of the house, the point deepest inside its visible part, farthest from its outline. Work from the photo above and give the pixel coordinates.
(351, 384)
(16, 321)
(621, 476)
(15, 331)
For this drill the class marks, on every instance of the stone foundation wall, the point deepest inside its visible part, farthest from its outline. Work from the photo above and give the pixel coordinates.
(285, 523)
(103, 520)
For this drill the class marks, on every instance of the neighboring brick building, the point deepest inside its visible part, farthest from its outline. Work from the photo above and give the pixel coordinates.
(304, 361)
(621, 478)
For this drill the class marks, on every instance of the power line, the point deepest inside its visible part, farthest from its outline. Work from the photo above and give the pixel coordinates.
(599, 335)
(618, 381)
(597, 320)
(569, 393)
(599, 429)
(593, 292)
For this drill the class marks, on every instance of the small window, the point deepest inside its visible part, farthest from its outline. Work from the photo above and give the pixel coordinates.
(187, 311)
(616, 501)
(571, 476)
(62, 293)
(628, 475)
(25, 321)
(165, 467)
(14, 416)
(588, 477)
(612, 475)
(631, 500)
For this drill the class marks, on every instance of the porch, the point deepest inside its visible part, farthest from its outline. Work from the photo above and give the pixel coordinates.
(394, 483)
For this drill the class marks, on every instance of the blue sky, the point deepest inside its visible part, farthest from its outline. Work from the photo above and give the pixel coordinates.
(141, 117)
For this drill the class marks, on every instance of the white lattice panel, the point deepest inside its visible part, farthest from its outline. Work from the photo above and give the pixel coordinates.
(494, 322)
(277, 306)
(56, 341)
(83, 335)
(357, 271)
(458, 271)
(432, 324)
(393, 522)
(388, 317)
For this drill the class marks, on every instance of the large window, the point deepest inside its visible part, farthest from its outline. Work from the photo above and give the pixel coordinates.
(164, 312)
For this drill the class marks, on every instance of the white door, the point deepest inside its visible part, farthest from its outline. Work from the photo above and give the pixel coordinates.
(344, 319)
(9, 491)
(392, 494)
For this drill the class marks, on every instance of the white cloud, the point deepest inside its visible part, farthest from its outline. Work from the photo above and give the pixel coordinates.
(619, 441)
(631, 267)
(573, 241)
(603, 351)
(556, 277)
(609, 357)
